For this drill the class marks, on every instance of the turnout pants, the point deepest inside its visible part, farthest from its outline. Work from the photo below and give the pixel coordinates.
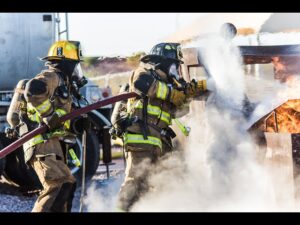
(58, 183)
(138, 168)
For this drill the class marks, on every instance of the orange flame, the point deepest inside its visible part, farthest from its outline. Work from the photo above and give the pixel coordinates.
(285, 67)
(287, 118)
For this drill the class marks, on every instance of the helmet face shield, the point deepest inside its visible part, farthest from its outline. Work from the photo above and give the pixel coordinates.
(77, 73)
(174, 71)
(179, 53)
(78, 76)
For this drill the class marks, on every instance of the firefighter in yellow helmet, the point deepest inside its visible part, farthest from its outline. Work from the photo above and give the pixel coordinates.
(48, 97)
(162, 93)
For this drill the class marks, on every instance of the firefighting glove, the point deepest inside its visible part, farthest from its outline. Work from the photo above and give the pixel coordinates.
(52, 121)
(195, 88)
(177, 97)
(10, 133)
(191, 89)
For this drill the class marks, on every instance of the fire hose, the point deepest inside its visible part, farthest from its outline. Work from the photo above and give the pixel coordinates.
(42, 129)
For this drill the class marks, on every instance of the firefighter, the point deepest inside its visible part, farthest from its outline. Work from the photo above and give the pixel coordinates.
(48, 97)
(147, 137)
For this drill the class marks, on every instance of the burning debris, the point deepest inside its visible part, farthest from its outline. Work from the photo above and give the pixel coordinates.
(277, 133)
(285, 68)
(283, 119)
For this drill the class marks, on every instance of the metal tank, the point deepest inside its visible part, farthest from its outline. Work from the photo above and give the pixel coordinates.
(23, 38)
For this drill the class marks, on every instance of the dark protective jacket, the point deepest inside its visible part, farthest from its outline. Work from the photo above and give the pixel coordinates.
(152, 113)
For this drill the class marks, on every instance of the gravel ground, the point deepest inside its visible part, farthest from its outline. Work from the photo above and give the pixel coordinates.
(13, 200)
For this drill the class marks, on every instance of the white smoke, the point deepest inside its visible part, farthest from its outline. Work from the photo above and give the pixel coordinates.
(279, 38)
(218, 171)
(103, 198)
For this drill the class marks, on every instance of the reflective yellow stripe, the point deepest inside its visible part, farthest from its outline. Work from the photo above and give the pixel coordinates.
(30, 108)
(34, 117)
(44, 107)
(162, 90)
(74, 157)
(139, 139)
(155, 111)
(166, 117)
(182, 127)
(40, 139)
(34, 141)
(60, 113)
(57, 133)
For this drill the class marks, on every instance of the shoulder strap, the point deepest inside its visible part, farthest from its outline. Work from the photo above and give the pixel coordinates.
(154, 74)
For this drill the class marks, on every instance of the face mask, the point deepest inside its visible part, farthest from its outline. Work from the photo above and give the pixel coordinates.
(78, 76)
(173, 71)
(78, 72)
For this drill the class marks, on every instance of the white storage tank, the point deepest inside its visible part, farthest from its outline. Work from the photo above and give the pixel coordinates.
(23, 38)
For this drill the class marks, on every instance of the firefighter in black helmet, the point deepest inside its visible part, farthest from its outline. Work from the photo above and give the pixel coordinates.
(148, 136)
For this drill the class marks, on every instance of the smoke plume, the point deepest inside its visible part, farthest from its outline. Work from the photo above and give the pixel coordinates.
(103, 197)
(218, 170)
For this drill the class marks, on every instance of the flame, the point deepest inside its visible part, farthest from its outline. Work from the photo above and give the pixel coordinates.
(286, 67)
(285, 118)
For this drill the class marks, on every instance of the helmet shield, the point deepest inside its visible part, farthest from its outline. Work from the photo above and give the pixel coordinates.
(174, 71)
(65, 50)
(78, 77)
(78, 73)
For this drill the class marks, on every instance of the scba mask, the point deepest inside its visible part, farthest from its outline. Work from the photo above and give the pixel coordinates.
(77, 77)
(174, 71)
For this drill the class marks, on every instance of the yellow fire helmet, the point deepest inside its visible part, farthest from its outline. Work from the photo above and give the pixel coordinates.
(64, 50)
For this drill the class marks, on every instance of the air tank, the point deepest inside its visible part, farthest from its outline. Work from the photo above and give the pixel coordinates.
(24, 37)
(17, 103)
(115, 116)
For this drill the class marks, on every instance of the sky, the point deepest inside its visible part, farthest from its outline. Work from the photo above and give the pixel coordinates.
(108, 34)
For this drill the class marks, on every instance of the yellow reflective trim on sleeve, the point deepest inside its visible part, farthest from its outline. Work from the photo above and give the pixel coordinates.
(44, 107)
(166, 117)
(162, 90)
(182, 127)
(30, 108)
(34, 117)
(139, 139)
(61, 112)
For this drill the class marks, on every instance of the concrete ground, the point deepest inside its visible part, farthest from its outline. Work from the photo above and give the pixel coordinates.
(13, 200)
